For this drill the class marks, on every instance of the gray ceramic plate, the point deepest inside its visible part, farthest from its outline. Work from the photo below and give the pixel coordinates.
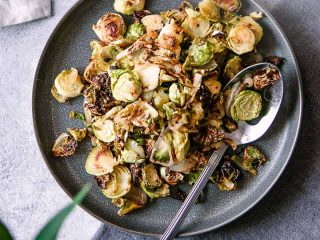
(69, 47)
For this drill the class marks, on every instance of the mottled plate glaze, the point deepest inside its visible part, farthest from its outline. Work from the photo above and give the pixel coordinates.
(68, 47)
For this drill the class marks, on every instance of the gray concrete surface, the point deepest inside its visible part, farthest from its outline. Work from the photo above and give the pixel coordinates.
(29, 195)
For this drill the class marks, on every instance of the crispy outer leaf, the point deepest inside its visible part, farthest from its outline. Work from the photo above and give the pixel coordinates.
(4, 233)
(51, 229)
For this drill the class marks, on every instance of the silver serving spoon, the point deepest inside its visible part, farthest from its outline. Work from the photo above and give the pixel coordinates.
(244, 134)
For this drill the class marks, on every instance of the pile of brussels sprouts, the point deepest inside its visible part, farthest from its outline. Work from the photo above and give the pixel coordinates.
(153, 105)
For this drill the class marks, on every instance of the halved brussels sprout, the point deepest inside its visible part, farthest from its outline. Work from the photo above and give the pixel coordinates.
(135, 31)
(128, 6)
(139, 113)
(209, 9)
(78, 134)
(177, 94)
(147, 96)
(119, 183)
(104, 129)
(229, 5)
(196, 25)
(100, 161)
(201, 53)
(64, 146)
(132, 153)
(110, 27)
(150, 176)
(162, 152)
(247, 105)
(253, 26)
(68, 83)
(181, 145)
(241, 39)
(100, 52)
(149, 76)
(152, 22)
(159, 192)
(160, 98)
(232, 68)
(170, 177)
(126, 85)
(170, 37)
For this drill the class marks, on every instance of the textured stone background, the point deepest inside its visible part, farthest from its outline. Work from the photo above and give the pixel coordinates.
(29, 195)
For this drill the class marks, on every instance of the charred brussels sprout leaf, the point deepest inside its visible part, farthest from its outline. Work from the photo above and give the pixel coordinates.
(247, 105)
(135, 31)
(78, 134)
(226, 177)
(128, 6)
(110, 27)
(200, 53)
(64, 146)
(177, 94)
(76, 115)
(170, 177)
(265, 78)
(193, 177)
(251, 160)
(159, 192)
(150, 176)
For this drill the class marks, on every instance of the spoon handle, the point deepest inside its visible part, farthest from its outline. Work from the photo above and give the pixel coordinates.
(213, 162)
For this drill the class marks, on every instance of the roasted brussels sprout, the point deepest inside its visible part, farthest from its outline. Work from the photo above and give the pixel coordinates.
(186, 165)
(128, 6)
(132, 153)
(160, 98)
(162, 153)
(196, 24)
(159, 192)
(104, 129)
(135, 31)
(119, 183)
(170, 177)
(241, 39)
(57, 96)
(175, 14)
(213, 85)
(208, 136)
(228, 5)
(64, 146)
(177, 94)
(247, 105)
(67, 84)
(170, 37)
(200, 53)
(232, 68)
(126, 85)
(181, 145)
(100, 161)
(110, 27)
(251, 160)
(149, 76)
(126, 206)
(139, 114)
(265, 78)
(209, 9)
(78, 134)
(150, 176)
(226, 177)
(253, 26)
(152, 22)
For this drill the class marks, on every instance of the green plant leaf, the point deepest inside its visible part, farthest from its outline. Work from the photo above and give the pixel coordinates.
(51, 229)
(4, 233)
